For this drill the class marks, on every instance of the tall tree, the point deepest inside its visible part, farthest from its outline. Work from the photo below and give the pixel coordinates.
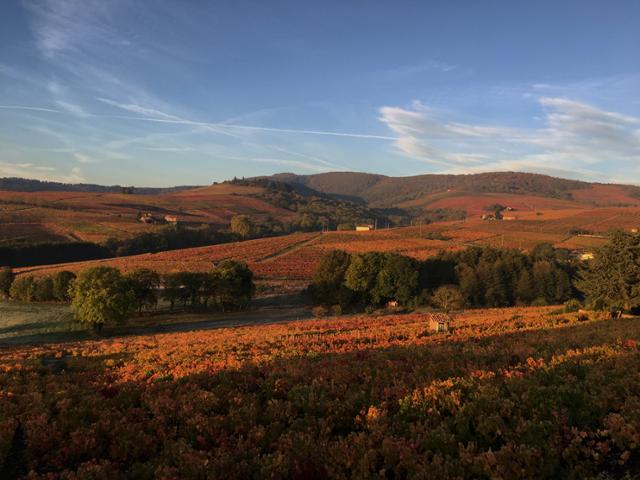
(397, 280)
(235, 284)
(328, 286)
(101, 295)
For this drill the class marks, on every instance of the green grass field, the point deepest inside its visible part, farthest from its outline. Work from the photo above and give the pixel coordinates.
(19, 320)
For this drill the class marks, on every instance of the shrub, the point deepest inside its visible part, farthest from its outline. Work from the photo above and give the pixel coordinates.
(319, 311)
(572, 305)
(336, 310)
(539, 302)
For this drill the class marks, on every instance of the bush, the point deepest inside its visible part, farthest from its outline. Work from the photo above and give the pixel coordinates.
(572, 305)
(336, 310)
(539, 302)
(319, 311)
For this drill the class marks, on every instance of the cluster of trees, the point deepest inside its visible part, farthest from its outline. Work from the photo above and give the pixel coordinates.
(475, 277)
(424, 217)
(488, 277)
(315, 210)
(102, 295)
(53, 288)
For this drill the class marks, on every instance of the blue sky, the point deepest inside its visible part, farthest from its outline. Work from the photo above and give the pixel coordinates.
(187, 92)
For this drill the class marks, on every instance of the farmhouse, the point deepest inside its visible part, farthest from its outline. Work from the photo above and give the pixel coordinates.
(364, 228)
(149, 218)
(439, 322)
(171, 218)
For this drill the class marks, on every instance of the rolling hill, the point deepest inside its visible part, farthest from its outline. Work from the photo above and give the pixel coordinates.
(383, 191)
(50, 216)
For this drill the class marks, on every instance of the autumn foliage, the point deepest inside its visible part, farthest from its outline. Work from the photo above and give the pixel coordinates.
(511, 393)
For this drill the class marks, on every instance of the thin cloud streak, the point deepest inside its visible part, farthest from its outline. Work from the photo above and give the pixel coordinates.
(24, 107)
(250, 127)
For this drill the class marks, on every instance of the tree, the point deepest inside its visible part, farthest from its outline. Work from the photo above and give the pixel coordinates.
(448, 297)
(397, 280)
(144, 283)
(234, 282)
(362, 274)
(173, 289)
(242, 225)
(328, 286)
(525, 291)
(61, 284)
(22, 289)
(543, 251)
(6, 279)
(43, 290)
(470, 287)
(612, 280)
(101, 295)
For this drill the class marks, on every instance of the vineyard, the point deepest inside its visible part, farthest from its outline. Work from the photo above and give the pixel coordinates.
(200, 259)
(55, 216)
(513, 393)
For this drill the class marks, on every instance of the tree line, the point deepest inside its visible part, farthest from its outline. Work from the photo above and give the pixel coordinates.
(474, 277)
(102, 295)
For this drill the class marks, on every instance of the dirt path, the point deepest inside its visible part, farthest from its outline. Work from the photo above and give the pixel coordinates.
(289, 249)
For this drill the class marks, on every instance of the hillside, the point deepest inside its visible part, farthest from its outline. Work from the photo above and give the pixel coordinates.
(383, 191)
(58, 216)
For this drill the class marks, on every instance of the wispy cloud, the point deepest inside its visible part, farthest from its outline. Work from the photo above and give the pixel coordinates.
(39, 172)
(576, 138)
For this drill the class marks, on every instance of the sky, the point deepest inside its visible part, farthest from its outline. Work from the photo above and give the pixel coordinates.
(186, 92)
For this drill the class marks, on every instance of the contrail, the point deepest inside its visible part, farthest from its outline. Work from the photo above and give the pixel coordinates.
(23, 107)
(247, 127)
(222, 126)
